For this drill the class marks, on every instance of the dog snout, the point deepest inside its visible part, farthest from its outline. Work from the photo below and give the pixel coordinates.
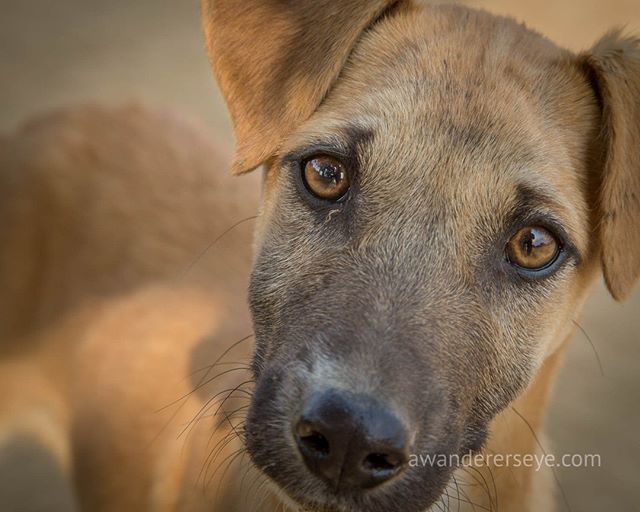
(351, 441)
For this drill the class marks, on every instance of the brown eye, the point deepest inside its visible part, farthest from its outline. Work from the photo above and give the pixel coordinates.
(326, 178)
(533, 248)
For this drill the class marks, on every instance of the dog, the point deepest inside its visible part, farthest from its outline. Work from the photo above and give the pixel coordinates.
(441, 188)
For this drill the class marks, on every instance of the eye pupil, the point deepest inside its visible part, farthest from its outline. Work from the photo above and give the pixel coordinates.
(527, 244)
(326, 178)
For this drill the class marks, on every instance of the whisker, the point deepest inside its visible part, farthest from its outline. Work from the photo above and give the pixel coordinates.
(201, 383)
(229, 435)
(553, 471)
(202, 254)
(484, 484)
(210, 403)
(233, 429)
(231, 414)
(455, 482)
(469, 501)
(238, 387)
(229, 438)
(239, 453)
(262, 482)
(229, 458)
(495, 487)
(593, 346)
(221, 363)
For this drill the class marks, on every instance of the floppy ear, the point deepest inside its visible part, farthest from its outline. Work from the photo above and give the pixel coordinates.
(275, 60)
(614, 66)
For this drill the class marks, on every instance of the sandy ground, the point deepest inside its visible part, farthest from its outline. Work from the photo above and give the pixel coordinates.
(55, 53)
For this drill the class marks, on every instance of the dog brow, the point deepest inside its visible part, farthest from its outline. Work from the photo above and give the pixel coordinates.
(345, 141)
(535, 199)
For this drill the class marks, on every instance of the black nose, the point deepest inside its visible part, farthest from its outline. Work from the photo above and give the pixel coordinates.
(351, 441)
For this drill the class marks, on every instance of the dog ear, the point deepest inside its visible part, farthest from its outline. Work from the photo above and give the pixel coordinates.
(614, 67)
(275, 60)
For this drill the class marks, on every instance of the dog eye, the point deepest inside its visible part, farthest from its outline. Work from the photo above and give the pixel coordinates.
(533, 248)
(326, 178)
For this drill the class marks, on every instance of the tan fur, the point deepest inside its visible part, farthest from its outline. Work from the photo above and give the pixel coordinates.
(109, 207)
(614, 64)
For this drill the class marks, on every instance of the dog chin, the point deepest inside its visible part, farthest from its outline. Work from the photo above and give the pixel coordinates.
(320, 504)
(292, 505)
(316, 504)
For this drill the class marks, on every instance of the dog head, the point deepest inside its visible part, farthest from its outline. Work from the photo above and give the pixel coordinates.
(441, 187)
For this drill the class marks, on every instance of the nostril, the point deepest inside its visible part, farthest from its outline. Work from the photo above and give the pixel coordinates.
(312, 441)
(317, 443)
(381, 463)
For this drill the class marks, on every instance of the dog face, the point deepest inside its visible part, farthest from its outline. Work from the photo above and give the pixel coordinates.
(427, 232)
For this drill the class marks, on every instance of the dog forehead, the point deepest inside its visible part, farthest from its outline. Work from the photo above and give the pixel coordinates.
(446, 73)
(470, 74)
(428, 44)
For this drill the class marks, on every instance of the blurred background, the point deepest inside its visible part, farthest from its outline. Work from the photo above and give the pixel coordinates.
(54, 53)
